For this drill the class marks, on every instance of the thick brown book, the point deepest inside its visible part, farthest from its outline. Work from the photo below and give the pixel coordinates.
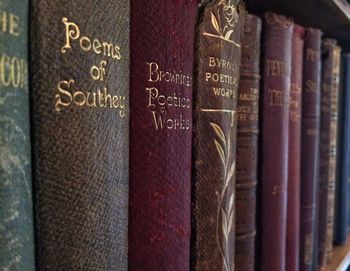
(216, 78)
(293, 210)
(277, 47)
(162, 46)
(247, 144)
(328, 139)
(80, 120)
(309, 146)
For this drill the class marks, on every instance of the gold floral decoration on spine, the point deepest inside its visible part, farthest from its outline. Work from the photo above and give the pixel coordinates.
(226, 211)
(224, 21)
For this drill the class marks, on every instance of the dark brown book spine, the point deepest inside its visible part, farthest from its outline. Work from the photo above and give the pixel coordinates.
(216, 81)
(328, 134)
(309, 145)
(293, 211)
(80, 120)
(277, 48)
(247, 144)
(162, 46)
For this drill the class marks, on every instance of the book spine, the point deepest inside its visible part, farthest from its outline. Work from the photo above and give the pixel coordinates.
(80, 109)
(247, 144)
(162, 46)
(342, 213)
(335, 88)
(327, 163)
(294, 149)
(309, 145)
(218, 55)
(16, 216)
(275, 116)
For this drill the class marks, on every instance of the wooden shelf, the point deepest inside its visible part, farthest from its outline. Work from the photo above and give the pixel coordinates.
(341, 258)
(331, 16)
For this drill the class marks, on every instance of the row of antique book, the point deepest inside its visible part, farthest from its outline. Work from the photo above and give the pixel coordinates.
(171, 135)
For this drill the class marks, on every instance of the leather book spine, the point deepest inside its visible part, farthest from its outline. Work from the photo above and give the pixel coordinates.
(162, 46)
(325, 171)
(335, 89)
(247, 144)
(294, 151)
(80, 118)
(216, 79)
(16, 207)
(342, 183)
(275, 124)
(309, 146)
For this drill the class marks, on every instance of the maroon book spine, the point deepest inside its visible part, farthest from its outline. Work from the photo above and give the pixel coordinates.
(277, 46)
(309, 145)
(247, 144)
(293, 211)
(162, 46)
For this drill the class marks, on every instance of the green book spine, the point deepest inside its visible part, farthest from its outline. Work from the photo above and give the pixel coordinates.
(16, 216)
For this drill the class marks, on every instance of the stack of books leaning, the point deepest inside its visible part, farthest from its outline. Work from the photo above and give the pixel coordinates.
(170, 136)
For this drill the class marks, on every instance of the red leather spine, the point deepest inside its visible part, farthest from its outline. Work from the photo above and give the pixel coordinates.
(162, 45)
(293, 211)
(309, 145)
(247, 144)
(277, 48)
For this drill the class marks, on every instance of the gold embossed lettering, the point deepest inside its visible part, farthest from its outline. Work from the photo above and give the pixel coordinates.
(108, 49)
(277, 189)
(96, 46)
(98, 72)
(311, 132)
(66, 96)
(155, 74)
(276, 68)
(3, 21)
(10, 23)
(14, 21)
(63, 97)
(311, 55)
(4, 62)
(277, 97)
(87, 44)
(72, 33)
(311, 86)
(13, 72)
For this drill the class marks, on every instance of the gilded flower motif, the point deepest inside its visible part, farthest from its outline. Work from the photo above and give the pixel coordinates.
(230, 12)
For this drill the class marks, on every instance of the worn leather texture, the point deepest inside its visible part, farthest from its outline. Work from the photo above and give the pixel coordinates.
(333, 150)
(310, 145)
(162, 46)
(247, 144)
(343, 177)
(275, 116)
(80, 106)
(16, 208)
(294, 151)
(328, 134)
(216, 79)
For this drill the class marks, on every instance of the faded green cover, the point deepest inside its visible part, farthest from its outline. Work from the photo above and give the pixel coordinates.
(16, 221)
